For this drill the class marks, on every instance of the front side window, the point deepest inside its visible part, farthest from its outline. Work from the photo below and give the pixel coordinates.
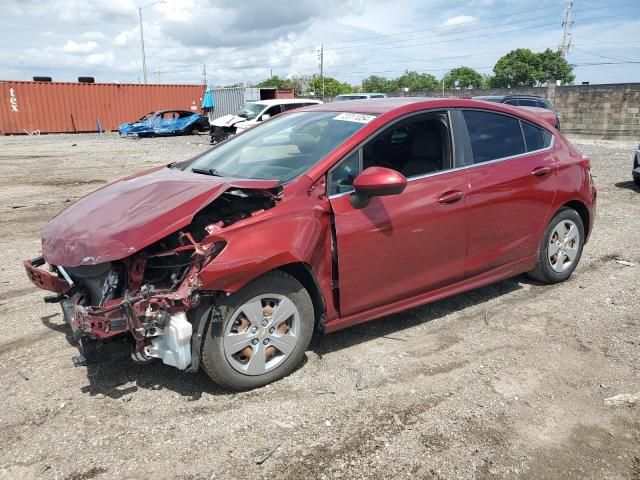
(414, 147)
(493, 135)
(280, 149)
(342, 175)
(273, 111)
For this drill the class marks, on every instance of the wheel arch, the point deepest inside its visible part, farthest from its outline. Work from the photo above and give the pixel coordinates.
(303, 272)
(583, 211)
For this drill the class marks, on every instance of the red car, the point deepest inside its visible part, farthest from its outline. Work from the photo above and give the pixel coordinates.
(318, 219)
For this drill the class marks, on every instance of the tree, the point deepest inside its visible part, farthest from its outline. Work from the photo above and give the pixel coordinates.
(276, 82)
(523, 68)
(415, 81)
(332, 87)
(553, 67)
(300, 83)
(463, 77)
(375, 83)
(517, 68)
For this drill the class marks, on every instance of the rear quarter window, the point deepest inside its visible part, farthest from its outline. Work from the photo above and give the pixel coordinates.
(536, 138)
(493, 135)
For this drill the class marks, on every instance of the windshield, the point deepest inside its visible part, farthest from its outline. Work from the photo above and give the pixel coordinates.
(251, 110)
(282, 148)
(147, 117)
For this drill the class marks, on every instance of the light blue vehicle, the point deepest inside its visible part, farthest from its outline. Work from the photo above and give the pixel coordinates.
(165, 122)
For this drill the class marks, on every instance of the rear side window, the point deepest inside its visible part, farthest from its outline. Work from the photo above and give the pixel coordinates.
(493, 135)
(525, 102)
(533, 137)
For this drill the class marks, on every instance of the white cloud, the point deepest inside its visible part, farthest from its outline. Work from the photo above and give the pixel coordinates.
(243, 41)
(124, 38)
(92, 36)
(73, 47)
(458, 20)
(105, 59)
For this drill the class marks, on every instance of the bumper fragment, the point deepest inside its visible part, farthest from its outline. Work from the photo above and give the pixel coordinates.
(44, 279)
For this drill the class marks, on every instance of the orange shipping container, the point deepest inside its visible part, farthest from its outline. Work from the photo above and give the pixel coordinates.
(56, 107)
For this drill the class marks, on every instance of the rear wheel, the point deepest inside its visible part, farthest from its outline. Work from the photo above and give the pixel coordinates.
(561, 247)
(265, 330)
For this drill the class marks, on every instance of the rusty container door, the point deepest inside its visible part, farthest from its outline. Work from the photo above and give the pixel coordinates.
(55, 107)
(285, 93)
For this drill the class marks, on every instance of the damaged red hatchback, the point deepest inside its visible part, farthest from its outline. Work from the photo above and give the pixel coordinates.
(318, 219)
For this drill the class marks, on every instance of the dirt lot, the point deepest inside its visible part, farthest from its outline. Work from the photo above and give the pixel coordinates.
(508, 381)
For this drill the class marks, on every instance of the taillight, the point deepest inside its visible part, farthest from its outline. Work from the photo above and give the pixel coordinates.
(585, 162)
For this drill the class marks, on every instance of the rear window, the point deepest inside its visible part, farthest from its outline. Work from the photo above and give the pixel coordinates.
(493, 135)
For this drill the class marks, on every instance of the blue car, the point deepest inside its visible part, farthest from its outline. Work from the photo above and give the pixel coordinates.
(165, 122)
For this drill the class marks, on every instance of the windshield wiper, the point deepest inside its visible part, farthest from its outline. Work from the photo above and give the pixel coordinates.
(207, 171)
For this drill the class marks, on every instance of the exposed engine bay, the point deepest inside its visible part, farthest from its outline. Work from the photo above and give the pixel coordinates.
(149, 298)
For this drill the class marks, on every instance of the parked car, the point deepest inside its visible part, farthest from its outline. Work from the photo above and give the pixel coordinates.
(252, 114)
(358, 96)
(522, 101)
(319, 219)
(636, 167)
(166, 122)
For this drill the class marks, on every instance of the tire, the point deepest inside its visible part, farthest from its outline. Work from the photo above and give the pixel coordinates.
(241, 352)
(557, 267)
(636, 180)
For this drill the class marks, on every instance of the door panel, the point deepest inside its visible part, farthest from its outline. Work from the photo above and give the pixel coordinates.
(508, 203)
(398, 246)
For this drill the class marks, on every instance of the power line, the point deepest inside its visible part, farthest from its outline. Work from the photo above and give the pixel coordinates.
(606, 56)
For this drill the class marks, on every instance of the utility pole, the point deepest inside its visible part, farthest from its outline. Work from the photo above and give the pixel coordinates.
(321, 56)
(144, 59)
(204, 75)
(565, 48)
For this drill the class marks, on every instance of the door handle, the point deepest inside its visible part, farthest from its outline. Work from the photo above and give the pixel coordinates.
(451, 197)
(541, 171)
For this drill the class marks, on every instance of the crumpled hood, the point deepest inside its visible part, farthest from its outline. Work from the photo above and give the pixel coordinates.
(130, 214)
(227, 121)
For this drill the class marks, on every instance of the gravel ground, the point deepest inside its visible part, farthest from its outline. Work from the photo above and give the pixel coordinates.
(508, 381)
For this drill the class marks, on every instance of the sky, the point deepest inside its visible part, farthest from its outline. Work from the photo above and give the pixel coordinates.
(248, 40)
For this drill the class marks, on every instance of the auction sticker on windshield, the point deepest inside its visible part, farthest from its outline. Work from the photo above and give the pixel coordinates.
(355, 117)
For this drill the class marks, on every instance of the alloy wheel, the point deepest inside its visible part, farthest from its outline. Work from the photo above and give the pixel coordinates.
(261, 334)
(564, 245)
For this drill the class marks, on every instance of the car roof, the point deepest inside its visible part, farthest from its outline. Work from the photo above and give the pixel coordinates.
(504, 97)
(172, 111)
(286, 101)
(361, 93)
(380, 106)
(371, 105)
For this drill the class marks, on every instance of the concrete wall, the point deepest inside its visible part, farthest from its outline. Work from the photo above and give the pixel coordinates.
(600, 111)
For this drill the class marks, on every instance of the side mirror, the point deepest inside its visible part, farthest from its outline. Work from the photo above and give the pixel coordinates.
(266, 116)
(376, 182)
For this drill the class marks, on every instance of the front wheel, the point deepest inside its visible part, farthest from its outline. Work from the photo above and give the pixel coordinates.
(561, 247)
(264, 333)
